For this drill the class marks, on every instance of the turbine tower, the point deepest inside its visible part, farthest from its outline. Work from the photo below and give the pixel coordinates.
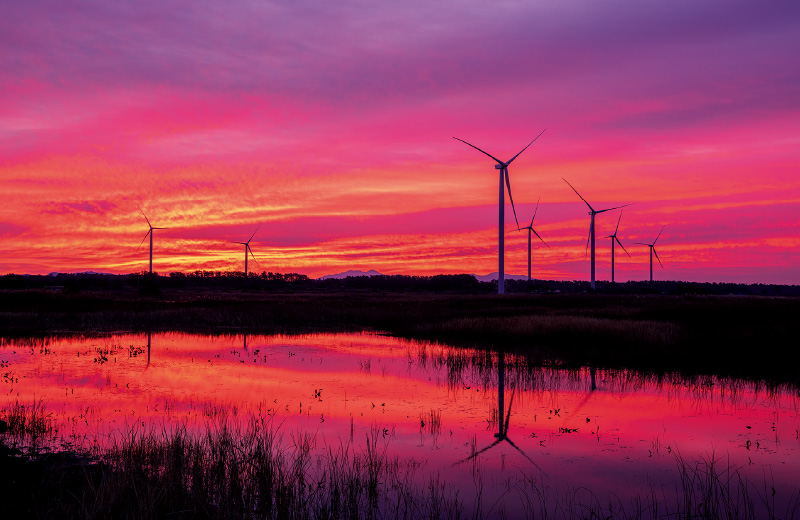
(247, 248)
(653, 250)
(149, 232)
(503, 416)
(613, 238)
(592, 213)
(503, 167)
(531, 230)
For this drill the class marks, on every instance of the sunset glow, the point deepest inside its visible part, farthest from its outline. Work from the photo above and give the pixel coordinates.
(339, 388)
(331, 125)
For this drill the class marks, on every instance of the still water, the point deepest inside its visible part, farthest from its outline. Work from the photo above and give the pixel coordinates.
(479, 421)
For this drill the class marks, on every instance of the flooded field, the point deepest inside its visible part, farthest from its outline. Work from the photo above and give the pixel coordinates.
(484, 429)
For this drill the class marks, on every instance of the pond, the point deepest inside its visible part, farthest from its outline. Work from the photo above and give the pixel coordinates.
(505, 438)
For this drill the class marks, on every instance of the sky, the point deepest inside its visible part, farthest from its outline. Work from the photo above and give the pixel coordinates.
(331, 125)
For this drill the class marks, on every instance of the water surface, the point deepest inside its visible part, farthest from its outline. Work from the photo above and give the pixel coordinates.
(482, 421)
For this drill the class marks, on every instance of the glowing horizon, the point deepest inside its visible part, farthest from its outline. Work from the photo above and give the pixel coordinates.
(332, 126)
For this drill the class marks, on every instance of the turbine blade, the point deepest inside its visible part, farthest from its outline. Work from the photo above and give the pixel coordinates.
(620, 218)
(145, 217)
(525, 455)
(534, 139)
(251, 254)
(578, 194)
(623, 247)
(145, 238)
(617, 207)
(586, 254)
(582, 403)
(508, 415)
(492, 445)
(254, 234)
(642, 244)
(540, 238)
(536, 210)
(485, 153)
(657, 258)
(659, 234)
(508, 185)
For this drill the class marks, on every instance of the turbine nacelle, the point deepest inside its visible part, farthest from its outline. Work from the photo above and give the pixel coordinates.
(503, 168)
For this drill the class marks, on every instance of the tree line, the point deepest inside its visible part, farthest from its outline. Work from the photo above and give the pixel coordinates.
(204, 280)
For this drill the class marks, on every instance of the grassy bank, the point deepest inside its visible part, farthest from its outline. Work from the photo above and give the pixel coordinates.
(723, 335)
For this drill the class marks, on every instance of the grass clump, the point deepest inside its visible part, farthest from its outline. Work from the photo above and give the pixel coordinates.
(26, 421)
(227, 470)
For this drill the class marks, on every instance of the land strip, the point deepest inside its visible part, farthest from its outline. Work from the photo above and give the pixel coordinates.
(728, 336)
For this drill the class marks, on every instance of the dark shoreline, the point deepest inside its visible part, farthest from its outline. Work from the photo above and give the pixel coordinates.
(727, 336)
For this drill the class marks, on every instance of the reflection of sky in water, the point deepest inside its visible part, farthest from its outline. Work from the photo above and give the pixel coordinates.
(623, 436)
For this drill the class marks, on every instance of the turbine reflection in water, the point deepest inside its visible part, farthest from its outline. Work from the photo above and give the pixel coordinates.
(190, 380)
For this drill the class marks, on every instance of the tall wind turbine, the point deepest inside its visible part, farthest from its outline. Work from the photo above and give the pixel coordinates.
(149, 232)
(592, 213)
(503, 167)
(247, 248)
(653, 250)
(613, 238)
(531, 230)
(503, 416)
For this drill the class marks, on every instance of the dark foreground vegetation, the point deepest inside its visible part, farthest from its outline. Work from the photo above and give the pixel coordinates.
(251, 471)
(732, 336)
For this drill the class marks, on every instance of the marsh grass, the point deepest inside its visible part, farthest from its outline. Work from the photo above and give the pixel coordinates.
(252, 469)
(431, 422)
(529, 328)
(27, 423)
(227, 469)
(713, 488)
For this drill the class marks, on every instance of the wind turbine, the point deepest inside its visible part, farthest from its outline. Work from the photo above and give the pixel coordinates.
(247, 248)
(503, 167)
(613, 238)
(502, 429)
(149, 232)
(653, 250)
(531, 230)
(592, 213)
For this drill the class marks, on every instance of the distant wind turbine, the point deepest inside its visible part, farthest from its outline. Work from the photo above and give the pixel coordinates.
(592, 213)
(149, 232)
(503, 167)
(653, 250)
(613, 238)
(531, 230)
(247, 249)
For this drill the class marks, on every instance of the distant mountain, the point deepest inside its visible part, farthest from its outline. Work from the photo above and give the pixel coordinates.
(345, 274)
(493, 276)
(56, 273)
